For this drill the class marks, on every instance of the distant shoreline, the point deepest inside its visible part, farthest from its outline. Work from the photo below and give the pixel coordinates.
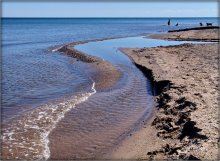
(208, 34)
(195, 28)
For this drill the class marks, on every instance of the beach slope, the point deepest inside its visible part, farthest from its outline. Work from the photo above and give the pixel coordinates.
(186, 123)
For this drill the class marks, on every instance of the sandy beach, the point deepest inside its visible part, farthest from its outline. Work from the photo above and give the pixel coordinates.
(186, 123)
(210, 35)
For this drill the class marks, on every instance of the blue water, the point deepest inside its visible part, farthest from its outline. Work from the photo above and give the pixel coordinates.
(34, 75)
(109, 50)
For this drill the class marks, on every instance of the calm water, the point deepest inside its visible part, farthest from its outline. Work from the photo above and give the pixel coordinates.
(34, 77)
(111, 47)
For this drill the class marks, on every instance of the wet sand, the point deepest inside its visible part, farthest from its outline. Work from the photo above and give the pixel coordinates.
(25, 130)
(102, 72)
(186, 124)
(97, 125)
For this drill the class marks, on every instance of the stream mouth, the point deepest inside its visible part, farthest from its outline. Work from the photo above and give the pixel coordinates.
(97, 125)
(87, 124)
(100, 123)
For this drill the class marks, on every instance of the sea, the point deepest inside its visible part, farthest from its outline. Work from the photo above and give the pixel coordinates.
(38, 81)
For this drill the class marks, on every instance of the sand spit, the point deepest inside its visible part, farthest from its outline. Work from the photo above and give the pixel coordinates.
(210, 35)
(186, 123)
(68, 50)
(102, 72)
(196, 28)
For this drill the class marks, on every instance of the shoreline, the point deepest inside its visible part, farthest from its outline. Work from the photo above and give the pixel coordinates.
(207, 35)
(98, 70)
(36, 141)
(101, 70)
(177, 132)
(195, 28)
(98, 64)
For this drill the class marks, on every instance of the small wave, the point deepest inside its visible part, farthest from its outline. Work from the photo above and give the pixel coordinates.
(56, 49)
(27, 138)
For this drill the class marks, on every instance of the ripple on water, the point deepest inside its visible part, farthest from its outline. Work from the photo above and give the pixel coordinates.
(27, 138)
(98, 124)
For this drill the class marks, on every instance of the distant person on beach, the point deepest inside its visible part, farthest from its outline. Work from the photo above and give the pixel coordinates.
(177, 24)
(201, 24)
(168, 23)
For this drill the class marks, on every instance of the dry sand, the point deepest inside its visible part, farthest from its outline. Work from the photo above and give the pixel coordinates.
(186, 123)
(191, 35)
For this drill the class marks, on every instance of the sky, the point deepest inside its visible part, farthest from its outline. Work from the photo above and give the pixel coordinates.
(110, 9)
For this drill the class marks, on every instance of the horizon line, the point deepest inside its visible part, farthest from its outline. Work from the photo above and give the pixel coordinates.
(119, 17)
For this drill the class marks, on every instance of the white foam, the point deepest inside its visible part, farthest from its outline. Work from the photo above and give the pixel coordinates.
(79, 100)
(41, 122)
(56, 49)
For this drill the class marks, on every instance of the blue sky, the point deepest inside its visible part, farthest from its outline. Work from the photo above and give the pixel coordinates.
(110, 9)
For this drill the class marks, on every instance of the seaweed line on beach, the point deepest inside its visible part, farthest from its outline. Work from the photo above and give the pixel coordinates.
(186, 121)
(174, 122)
